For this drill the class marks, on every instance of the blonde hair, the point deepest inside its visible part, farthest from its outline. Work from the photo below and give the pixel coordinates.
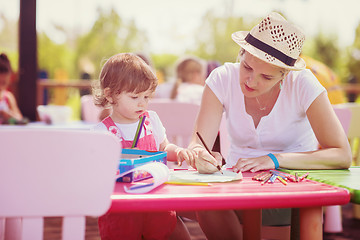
(124, 72)
(184, 72)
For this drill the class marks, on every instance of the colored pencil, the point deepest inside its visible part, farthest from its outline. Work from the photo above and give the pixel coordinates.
(188, 183)
(141, 186)
(207, 149)
(282, 180)
(303, 176)
(138, 131)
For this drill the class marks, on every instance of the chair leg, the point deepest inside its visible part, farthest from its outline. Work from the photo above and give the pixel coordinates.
(32, 228)
(2, 228)
(356, 211)
(73, 228)
(13, 228)
(333, 219)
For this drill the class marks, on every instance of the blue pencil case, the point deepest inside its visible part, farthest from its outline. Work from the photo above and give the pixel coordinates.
(132, 158)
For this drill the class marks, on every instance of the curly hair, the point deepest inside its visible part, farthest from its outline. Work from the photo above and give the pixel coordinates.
(123, 72)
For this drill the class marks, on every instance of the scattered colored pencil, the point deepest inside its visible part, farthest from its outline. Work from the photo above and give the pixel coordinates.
(271, 176)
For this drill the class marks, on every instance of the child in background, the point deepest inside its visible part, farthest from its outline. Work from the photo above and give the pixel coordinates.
(126, 84)
(8, 106)
(189, 86)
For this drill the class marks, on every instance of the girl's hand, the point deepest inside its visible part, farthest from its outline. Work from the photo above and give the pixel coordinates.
(205, 163)
(187, 155)
(254, 164)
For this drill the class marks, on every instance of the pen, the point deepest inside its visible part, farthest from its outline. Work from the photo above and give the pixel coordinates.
(138, 131)
(207, 149)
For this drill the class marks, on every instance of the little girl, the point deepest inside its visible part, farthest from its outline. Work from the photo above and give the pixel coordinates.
(126, 85)
(8, 106)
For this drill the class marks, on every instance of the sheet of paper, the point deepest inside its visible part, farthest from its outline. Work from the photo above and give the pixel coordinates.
(194, 176)
(159, 172)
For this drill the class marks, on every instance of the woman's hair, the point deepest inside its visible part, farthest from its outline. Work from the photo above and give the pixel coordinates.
(5, 66)
(124, 72)
(184, 72)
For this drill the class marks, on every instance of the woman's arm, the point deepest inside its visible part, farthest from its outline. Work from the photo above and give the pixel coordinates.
(207, 124)
(334, 153)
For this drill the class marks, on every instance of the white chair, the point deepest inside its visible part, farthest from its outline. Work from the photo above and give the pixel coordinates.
(89, 111)
(178, 119)
(333, 218)
(48, 173)
(354, 139)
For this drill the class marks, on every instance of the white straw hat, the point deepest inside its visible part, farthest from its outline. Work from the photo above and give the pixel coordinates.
(274, 40)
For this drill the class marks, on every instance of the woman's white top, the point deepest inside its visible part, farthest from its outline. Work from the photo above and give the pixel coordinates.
(285, 129)
(128, 130)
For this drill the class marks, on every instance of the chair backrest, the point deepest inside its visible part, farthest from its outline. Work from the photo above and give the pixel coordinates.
(354, 129)
(178, 119)
(344, 115)
(47, 172)
(89, 111)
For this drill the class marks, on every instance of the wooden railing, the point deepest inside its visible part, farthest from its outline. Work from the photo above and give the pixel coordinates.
(46, 84)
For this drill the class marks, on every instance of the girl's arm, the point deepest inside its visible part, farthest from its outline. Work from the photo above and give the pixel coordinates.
(176, 153)
(207, 124)
(334, 153)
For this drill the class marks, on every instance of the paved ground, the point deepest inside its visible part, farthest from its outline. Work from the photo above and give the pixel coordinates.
(351, 228)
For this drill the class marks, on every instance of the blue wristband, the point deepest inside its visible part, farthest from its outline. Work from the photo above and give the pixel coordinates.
(274, 159)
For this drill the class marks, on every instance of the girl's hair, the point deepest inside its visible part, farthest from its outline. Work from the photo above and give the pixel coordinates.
(5, 66)
(124, 72)
(184, 72)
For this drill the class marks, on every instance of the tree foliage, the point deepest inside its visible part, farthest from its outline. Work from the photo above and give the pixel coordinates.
(108, 36)
(214, 37)
(354, 56)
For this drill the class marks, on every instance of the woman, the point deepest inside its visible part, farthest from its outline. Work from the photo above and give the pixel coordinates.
(277, 114)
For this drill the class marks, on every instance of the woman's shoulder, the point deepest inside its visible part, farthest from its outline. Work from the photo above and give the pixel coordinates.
(228, 67)
(305, 74)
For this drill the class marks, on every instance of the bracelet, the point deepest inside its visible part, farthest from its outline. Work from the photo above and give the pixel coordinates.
(274, 159)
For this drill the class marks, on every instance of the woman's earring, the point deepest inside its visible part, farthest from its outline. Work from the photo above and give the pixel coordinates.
(281, 84)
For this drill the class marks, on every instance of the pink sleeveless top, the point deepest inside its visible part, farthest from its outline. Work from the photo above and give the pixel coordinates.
(145, 143)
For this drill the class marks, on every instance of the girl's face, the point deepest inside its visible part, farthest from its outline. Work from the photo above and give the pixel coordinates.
(256, 76)
(4, 80)
(128, 106)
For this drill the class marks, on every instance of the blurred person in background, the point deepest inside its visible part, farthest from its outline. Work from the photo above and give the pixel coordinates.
(9, 110)
(189, 84)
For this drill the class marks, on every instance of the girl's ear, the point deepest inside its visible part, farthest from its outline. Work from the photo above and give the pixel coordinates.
(108, 95)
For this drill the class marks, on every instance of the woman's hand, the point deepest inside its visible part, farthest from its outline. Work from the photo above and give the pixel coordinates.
(254, 164)
(205, 163)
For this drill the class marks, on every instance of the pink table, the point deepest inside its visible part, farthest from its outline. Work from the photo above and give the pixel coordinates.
(247, 194)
